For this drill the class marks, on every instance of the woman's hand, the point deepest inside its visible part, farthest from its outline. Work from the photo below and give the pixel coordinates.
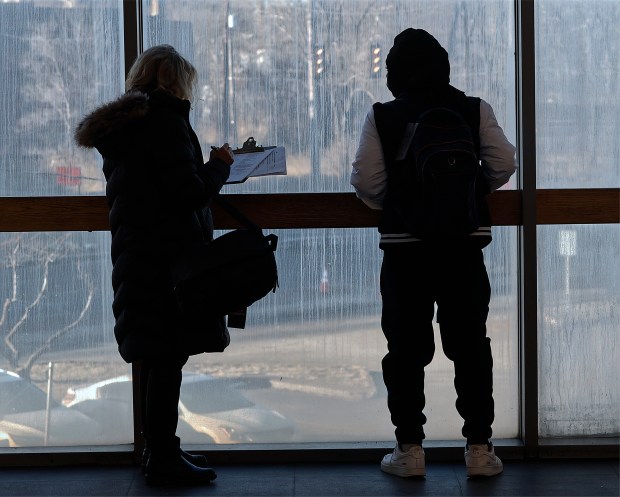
(224, 153)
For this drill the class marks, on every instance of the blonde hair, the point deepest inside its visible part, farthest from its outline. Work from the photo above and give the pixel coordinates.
(162, 66)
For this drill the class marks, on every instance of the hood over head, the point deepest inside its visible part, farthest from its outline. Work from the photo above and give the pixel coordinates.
(416, 62)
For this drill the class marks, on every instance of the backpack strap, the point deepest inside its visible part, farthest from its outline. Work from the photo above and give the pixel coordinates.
(389, 117)
(392, 117)
(474, 103)
(473, 118)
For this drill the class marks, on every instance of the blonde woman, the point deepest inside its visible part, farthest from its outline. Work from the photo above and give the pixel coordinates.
(158, 192)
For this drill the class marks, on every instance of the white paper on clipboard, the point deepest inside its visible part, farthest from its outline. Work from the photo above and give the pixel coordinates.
(263, 163)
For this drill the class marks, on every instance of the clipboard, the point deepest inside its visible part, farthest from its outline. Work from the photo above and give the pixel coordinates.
(252, 160)
(250, 147)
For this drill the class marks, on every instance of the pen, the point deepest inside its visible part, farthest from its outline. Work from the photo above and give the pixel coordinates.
(214, 148)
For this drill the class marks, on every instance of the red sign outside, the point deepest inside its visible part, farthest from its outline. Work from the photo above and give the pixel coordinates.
(68, 175)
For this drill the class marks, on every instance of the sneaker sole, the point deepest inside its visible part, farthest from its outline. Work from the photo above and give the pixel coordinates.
(402, 471)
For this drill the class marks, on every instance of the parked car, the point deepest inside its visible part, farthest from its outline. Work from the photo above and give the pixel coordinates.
(5, 439)
(24, 415)
(211, 410)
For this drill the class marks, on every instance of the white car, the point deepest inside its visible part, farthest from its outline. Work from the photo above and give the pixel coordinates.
(211, 410)
(28, 420)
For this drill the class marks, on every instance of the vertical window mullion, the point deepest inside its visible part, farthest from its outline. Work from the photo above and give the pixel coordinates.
(132, 31)
(133, 45)
(528, 299)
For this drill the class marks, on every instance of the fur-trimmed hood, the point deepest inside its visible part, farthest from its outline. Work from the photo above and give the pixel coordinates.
(110, 128)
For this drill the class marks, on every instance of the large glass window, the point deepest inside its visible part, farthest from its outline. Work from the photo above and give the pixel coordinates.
(577, 88)
(55, 336)
(59, 59)
(303, 75)
(312, 351)
(578, 124)
(579, 298)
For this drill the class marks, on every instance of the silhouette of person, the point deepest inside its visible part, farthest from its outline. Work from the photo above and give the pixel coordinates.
(158, 190)
(417, 273)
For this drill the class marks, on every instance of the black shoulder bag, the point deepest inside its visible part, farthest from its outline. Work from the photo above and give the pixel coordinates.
(229, 274)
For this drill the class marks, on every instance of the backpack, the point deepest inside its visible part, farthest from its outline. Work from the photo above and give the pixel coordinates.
(439, 174)
(228, 274)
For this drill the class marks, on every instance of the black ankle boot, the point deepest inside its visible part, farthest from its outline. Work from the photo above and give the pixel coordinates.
(197, 460)
(171, 468)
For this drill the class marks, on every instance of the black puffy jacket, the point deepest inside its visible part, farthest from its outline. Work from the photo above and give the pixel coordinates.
(158, 190)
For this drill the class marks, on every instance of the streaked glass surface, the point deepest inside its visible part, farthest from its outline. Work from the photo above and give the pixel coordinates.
(59, 59)
(300, 75)
(578, 316)
(307, 366)
(312, 351)
(578, 125)
(577, 88)
(56, 330)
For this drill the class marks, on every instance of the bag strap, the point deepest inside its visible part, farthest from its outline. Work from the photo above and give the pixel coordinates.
(236, 213)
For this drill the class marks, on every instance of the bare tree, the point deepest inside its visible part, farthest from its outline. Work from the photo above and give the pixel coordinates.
(65, 48)
(33, 314)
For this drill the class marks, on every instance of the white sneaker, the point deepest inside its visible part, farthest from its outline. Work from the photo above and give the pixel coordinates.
(405, 463)
(481, 460)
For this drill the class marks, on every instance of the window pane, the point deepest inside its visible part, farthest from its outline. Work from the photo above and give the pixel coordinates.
(579, 298)
(299, 75)
(59, 59)
(56, 334)
(310, 356)
(577, 88)
(260, 74)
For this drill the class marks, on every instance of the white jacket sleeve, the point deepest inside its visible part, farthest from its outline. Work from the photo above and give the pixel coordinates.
(369, 177)
(497, 154)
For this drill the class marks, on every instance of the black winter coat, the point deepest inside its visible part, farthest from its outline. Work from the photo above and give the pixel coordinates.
(158, 190)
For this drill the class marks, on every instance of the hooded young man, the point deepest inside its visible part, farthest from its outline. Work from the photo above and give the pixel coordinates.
(417, 272)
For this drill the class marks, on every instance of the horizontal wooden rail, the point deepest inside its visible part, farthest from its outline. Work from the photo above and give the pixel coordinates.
(308, 210)
(587, 206)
